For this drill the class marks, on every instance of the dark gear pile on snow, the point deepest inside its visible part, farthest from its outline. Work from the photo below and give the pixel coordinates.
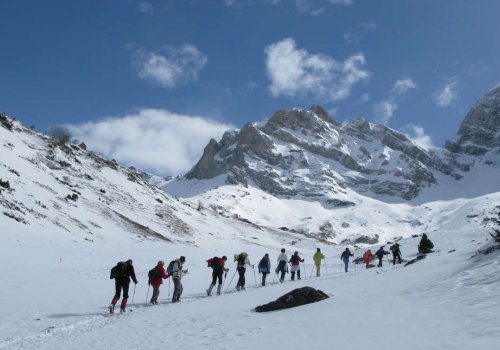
(296, 297)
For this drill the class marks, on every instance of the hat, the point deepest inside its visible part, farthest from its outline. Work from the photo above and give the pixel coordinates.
(182, 258)
(224, 257)
(129, 261)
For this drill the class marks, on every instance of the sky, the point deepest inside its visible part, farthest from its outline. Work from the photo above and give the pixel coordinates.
(148, 83)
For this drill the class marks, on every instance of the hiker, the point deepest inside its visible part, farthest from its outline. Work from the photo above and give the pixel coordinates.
(242, 262)
(122, 273)
(264, 268)
(425, 246)
(380, 255)
(345, 258)
(367, 256)
(156, 279)
(317, 257)
(295, 260)
(217, 265)
(282, 265)
(177, 273)
(396, 253)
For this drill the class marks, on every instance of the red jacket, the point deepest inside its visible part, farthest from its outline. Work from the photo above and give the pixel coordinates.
(163, 275)
(367, 256)
(295, 260)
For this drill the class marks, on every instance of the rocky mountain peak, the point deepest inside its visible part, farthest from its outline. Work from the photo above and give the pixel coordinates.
(480, 130)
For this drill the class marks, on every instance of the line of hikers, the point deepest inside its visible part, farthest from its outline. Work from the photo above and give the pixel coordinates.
(124, 271)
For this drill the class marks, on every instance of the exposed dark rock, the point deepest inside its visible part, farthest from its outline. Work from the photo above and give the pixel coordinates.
(296, 297)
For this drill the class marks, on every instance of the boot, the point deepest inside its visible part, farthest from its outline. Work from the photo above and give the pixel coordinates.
(209, 290)
(219, 287)
(293, 276)
(111, 308)
(298, 274)
(123, 305)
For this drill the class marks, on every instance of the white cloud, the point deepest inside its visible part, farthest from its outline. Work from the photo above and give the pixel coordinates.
(419, 136)
(154, 140)
(403, 85)
(447, 94)
(344, 2)
(385, 110)
(171, 66)
(296, 73)
(145, 7)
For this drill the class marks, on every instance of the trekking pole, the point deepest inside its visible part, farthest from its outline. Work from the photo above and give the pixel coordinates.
(133, 295)
(312, 268)
(326, 272)
(147, 294)
(305, 272)
(254, 277)
(168, 295)
(234, 274)
(225, 278)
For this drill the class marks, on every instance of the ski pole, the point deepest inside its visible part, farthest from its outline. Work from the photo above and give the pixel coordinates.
(234, 274)
(133, 295)
(168, 288)
(147, 294)
(254, 277)
(225, 278)
(312, 268)
(326, 272)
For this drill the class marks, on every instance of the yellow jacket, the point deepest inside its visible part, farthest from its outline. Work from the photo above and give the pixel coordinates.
(317, 258)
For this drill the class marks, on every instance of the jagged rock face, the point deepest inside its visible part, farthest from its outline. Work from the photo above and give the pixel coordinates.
(309, 154)
(480, 130)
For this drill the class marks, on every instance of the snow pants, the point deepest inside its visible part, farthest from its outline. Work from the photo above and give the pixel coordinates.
(217, 275)
(177, 289)
(264, 275)
(241, 278)
(346, 264)
(318, 268)
(119, 285)
(156, 294)
(396, 256)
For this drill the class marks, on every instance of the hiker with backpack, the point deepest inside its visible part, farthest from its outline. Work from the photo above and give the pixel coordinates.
(242, 260)
(425, 246)
(317, 257)
(295, 260)
(282, 265)
(380, 255)
(122, 273)
(396, 253)
(217, 265)
(156, 277)
(345, 258)
(177, 273)
(367, 256)
(264, 268)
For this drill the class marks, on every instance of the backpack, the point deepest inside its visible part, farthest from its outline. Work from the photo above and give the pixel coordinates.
(294, 259)
(264, 265)
(154, 273)
(120, 270)
(241, 259)
(170, 267)
(214, 262)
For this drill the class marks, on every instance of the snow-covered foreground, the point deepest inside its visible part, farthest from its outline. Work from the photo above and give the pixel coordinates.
(55, 292)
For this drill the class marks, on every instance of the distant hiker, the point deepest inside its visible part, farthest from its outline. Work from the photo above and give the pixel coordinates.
(217, 265)
(242, 262)
(264, 268)
(295, 260)
(396, 253)
(122, 273)
(156, 277)
(345, 258)
(380, 255)
(282, 265)
(177, 273)
(425, 246)
(367, 256)
(317, 257)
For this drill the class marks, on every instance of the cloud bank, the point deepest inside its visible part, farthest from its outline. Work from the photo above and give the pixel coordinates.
(153, 140)
(447, 94)
(294, 72)
(170, 66)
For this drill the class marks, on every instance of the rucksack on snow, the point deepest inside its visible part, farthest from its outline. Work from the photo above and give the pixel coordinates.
(170, 267)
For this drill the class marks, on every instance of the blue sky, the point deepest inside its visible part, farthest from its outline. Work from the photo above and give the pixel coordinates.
(150, 82)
